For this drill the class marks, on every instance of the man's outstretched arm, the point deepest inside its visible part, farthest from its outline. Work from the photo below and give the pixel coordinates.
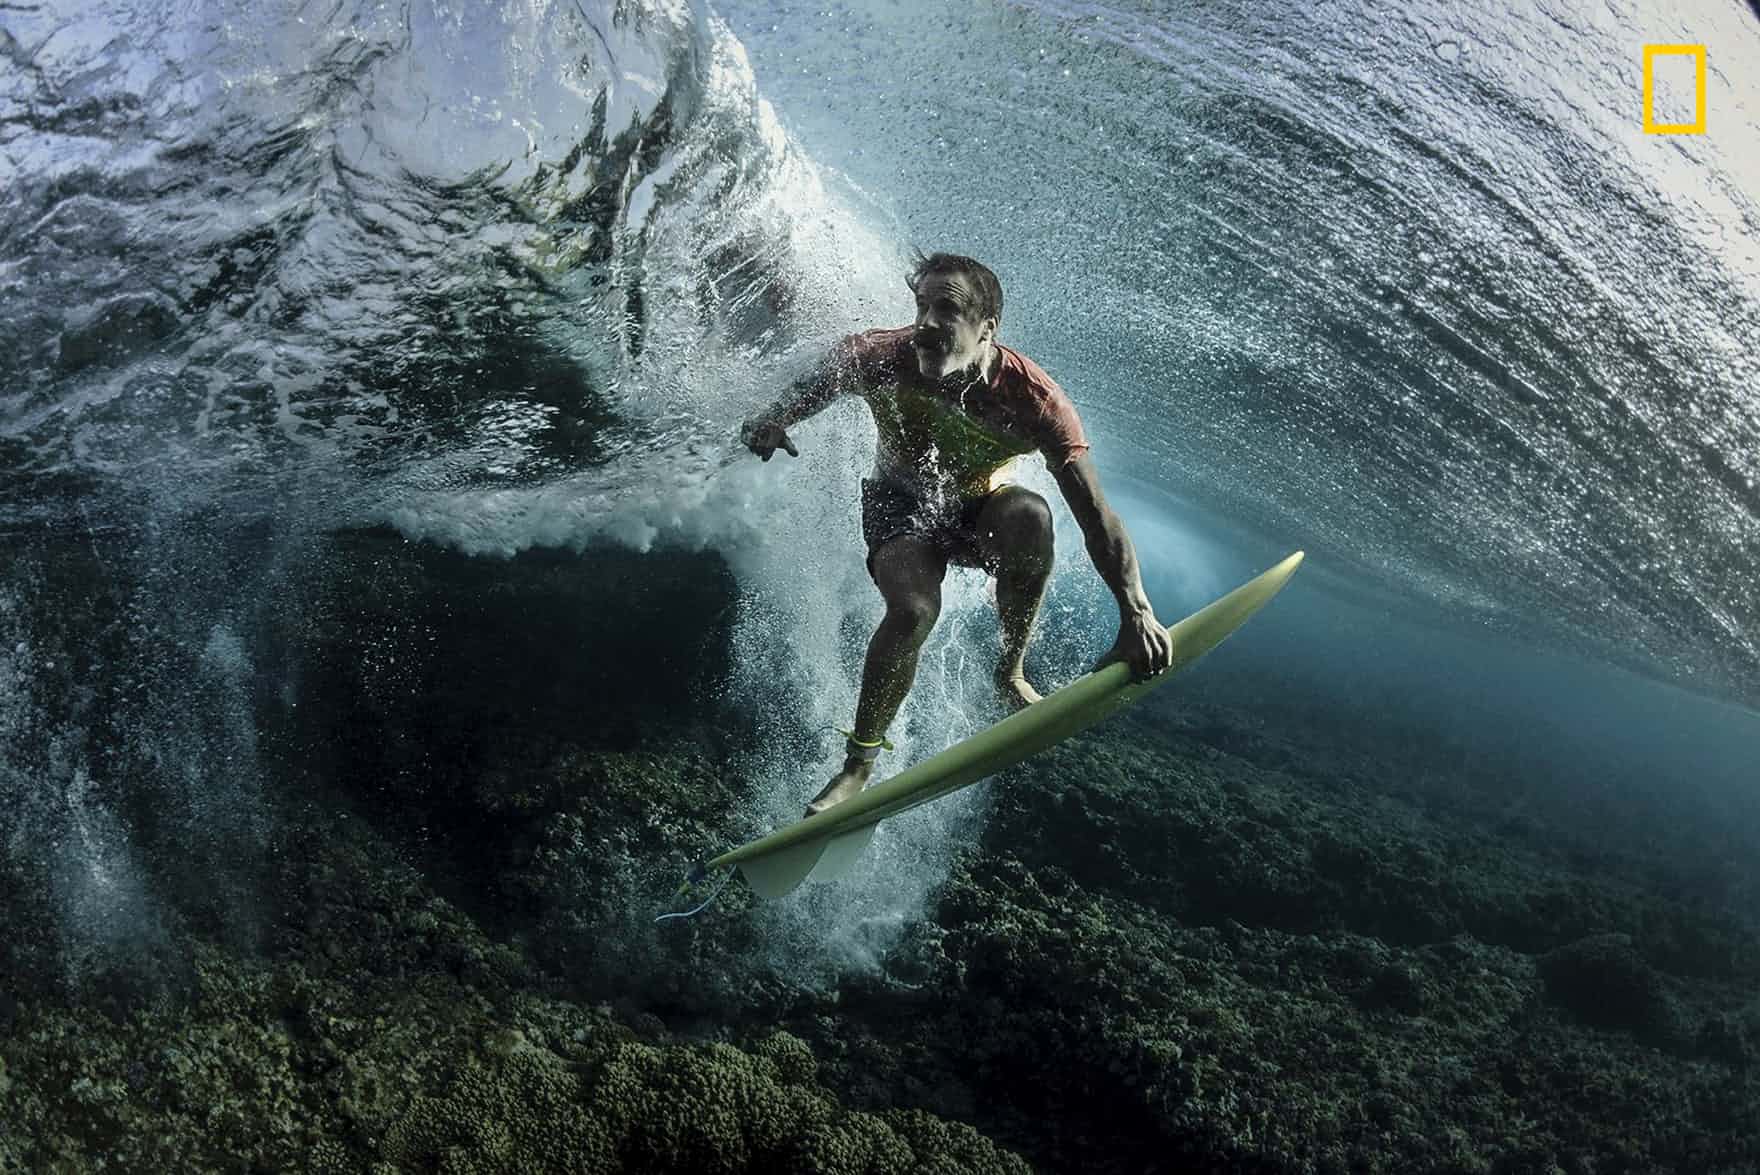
(767, 431)
(1142, 643)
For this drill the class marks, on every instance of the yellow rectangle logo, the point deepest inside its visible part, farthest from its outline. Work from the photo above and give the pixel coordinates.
(1651, 126)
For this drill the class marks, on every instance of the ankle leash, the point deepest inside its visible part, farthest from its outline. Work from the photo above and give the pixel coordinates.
(864, 752)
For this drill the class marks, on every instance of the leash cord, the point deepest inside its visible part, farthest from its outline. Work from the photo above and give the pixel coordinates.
(725, 877)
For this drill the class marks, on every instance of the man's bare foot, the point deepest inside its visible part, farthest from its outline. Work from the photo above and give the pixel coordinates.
(1014, 692)
(846, 783)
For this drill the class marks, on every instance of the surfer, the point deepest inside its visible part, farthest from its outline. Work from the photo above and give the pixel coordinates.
(953, 409)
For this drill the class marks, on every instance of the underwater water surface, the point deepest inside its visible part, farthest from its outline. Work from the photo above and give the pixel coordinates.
(389, 615)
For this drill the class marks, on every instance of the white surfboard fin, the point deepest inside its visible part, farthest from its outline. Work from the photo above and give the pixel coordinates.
(842, 854)
(775, 874)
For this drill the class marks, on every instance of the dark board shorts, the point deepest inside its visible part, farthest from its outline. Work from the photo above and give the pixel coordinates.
(890, 510)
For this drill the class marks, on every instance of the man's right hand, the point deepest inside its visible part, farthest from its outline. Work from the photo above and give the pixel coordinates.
(764, 438)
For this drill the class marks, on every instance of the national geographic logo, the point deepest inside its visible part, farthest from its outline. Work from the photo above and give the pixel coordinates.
(1651, 126)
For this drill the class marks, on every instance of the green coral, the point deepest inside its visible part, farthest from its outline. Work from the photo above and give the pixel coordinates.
(700, 1108)
(1605, 982)
(331, 1156)
(951, 1148)
(519, 1112)
(705, 1108)
(856, 1144)
(792, 1058)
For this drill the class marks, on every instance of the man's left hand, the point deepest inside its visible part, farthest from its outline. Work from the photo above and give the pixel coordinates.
(1142, 644)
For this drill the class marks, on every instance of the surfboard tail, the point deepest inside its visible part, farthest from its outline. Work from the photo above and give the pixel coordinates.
(778, 872)
(825, 858)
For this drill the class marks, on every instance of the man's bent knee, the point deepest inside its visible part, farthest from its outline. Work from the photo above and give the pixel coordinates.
(914, 615)
(908, 571)
(908, 565)
(1015, 529)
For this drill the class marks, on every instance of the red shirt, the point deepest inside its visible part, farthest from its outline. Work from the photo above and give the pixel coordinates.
(931, 436)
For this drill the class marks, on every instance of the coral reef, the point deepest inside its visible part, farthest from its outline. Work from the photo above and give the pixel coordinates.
(387, 1033)
(1605, 982)
(1190, 940)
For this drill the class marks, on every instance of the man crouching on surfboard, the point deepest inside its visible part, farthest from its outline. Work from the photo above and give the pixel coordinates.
(954, 408)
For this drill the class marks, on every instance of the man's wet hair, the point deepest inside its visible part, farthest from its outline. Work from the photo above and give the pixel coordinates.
(988, 288)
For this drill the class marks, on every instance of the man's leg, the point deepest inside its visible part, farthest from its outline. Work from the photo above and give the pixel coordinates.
(908, 571)
(1014, 534)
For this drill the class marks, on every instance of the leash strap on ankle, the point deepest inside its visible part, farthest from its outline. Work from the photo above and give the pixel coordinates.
(867, 752)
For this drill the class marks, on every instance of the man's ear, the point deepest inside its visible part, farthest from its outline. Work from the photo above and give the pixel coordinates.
(990, 327)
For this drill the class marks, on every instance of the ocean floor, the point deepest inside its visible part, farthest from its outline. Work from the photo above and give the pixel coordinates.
(1202, 938)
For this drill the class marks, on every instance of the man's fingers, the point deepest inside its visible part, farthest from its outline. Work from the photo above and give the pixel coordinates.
(769, 439)
(1148, 656)
(1152, 657)
(765, 439)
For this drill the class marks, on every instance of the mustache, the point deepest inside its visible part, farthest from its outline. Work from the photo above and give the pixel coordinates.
(931, 342)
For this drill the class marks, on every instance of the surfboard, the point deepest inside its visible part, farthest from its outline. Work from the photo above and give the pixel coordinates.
(827, 845)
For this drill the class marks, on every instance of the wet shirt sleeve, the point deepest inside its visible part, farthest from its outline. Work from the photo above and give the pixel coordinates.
(866, 360)
(1051, 420)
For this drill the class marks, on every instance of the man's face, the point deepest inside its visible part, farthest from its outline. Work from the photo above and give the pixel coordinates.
(950, 336)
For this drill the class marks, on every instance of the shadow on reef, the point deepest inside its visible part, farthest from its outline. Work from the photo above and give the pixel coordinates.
(460, 697)
(545, 735)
